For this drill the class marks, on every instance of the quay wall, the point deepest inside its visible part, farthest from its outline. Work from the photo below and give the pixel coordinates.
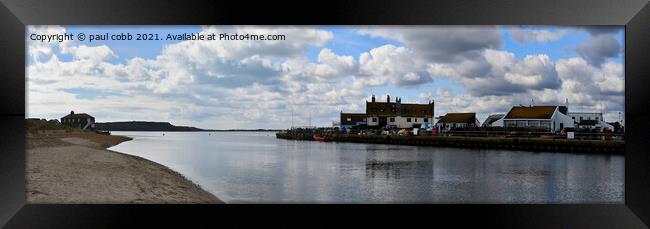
(526, 144)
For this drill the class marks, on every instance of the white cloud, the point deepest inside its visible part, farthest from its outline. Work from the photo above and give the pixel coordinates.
(38, 49)
(600, 47)
(391, 64)
(330, 67)
(532, 71)
(231, 84)
(536, 35)
(580, 76)
(96, 53)
(441, 43)
(498, 72)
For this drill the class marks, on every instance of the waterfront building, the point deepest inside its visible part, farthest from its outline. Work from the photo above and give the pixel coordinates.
(552, 118)
(396, 114)
(353, 119)
(590, 121)
(81, 120)
(494, 120)
(457, 120)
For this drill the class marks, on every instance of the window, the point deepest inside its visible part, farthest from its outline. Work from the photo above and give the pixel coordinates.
(521, 123)
(408, 119)
(349, 119)
(545, 124)
(574, 118)
(392, 119)
(597, 119)
(416, 119)
(581, 118)
(426, 120)
(374, 119)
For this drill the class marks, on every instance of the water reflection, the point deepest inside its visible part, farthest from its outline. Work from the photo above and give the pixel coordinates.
(249, 167)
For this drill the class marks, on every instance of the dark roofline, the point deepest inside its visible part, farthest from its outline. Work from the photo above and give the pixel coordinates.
(402, 103)
(78, 115)
(556, 107)
(471, 117)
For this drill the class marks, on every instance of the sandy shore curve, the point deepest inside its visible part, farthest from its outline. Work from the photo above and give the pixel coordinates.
(76, 168)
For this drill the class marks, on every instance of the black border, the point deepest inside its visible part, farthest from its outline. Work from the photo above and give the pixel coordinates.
(634, 14)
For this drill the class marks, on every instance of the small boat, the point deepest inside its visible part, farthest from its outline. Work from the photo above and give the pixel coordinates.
(319, 137)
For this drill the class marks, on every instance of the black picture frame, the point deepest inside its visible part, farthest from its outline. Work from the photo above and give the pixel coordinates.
(16, 14)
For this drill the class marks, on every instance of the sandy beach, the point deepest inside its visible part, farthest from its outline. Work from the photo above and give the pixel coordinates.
(77, 168)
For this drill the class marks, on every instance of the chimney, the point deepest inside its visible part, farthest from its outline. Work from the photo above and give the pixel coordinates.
(388, 98)
(71, 112)
(567, 105)
(433, 108)
(373, 98)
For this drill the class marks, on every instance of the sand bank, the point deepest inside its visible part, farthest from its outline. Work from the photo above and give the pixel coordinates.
(77, 168)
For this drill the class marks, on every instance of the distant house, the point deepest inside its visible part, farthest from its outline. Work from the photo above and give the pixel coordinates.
(494, 120)
(552, 118)
(82, 120)
(353, 119)
(457, 120)
(590, 121)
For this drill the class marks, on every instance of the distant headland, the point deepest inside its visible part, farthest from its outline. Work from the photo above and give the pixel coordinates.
(156, 126)
(142, 126)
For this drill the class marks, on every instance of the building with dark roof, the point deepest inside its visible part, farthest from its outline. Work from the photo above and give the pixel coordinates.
(353, 119)
(390, 113)
(457, 120)
(494, 120)
(552, 118)
(81, 120)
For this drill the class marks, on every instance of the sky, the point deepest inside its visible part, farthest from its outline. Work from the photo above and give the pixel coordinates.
(319, 71)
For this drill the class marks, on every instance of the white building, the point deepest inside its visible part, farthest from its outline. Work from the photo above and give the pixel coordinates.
(590, 120)
(553, 118)
(398, 114)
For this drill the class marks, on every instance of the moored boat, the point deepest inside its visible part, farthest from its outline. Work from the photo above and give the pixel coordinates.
(319, 137)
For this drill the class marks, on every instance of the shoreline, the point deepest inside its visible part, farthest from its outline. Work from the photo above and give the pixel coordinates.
(78, 168)
(525, 144)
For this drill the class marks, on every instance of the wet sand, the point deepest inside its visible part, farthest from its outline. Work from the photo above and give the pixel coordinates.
(77, 168)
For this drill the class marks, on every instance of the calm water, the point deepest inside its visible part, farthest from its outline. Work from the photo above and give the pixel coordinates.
(255, 167)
